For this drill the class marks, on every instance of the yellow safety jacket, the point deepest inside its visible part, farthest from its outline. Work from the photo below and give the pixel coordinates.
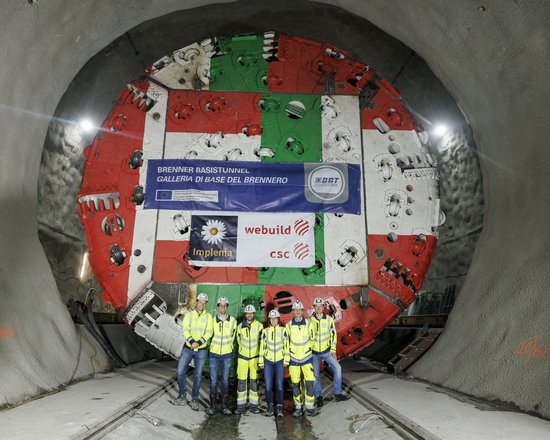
(197, 328)
(324, 332)
(300, 341)
(248, 339)
(274, 345)
(224, 335)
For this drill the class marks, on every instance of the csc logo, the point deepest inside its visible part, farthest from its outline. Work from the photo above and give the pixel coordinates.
(279, 254)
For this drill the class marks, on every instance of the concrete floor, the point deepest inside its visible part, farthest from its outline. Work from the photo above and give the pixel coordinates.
(74, 412)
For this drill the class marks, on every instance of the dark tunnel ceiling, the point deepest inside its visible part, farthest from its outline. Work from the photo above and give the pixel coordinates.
(93, 90)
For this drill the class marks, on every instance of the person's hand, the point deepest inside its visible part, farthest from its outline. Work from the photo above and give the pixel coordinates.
(194, 345)
(334, 356)
(285, 364)
(261, 366)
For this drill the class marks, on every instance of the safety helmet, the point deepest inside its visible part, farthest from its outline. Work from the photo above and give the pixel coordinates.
(222, 300)
(203, 296)
(249, 309)
(297, 305)
(318, 302)
(274, 314)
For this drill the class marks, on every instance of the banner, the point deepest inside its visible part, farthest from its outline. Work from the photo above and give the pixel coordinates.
(252, 240)
(210, 185)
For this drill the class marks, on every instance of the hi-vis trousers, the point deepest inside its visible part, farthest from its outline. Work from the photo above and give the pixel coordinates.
(302, 393)
(247, 369)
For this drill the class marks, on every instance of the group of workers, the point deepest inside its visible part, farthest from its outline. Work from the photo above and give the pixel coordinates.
(301, 345)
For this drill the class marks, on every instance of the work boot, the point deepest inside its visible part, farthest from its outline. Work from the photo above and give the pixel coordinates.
(269, 412)
(225, 406)
(342, 397)
(212, 408)
(179, 401)
(311, 412)
(279, 411)
(254, 409)
(194, 405)
(319, 401)
(240, 410)
(297, 412)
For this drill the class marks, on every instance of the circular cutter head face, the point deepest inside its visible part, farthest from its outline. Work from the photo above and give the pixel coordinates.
(267, 169)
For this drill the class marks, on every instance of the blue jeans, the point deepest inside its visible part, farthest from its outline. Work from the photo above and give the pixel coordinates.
(217, 363)
(336, 370)
(277, 369)
(185, 359)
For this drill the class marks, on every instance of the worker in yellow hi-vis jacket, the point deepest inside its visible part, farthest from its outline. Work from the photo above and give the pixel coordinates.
(197, 331)
(224, 328)
(248, 340)
(300, 337)
(324, 349)
(274, 358)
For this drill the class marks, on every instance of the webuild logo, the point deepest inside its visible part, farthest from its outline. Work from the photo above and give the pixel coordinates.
(300, 227)
(213, 238)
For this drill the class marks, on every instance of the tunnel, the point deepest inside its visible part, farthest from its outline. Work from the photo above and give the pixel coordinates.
(479, 68)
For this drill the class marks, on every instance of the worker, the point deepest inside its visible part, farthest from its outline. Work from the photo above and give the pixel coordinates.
(324, 349)
(197, 331)
(300, 336)
(224, 328)
(274, 357)
(248, 340)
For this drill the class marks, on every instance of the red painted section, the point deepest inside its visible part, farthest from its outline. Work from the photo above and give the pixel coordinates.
(171, 265)
(212, 112)
(304, 66)
(387, 106)
(107, 171)
(398, 268)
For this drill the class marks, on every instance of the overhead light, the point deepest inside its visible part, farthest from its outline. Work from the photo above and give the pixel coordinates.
(86, 125)
(440, 130)
(83, 265)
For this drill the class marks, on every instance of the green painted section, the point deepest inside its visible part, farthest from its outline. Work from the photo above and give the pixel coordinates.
(292, 127)
(301, 276)
(238, 295)
(241, 66)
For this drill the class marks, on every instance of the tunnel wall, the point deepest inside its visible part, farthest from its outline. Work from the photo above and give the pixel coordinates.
(493, 60)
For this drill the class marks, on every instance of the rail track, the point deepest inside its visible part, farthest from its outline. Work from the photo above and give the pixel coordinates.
(376, 410)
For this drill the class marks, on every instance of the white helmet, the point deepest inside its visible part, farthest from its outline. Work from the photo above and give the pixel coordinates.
(249, 309)
(222, 300)
(274, 314)
(297, 305)
(318, 302)
(203, 296)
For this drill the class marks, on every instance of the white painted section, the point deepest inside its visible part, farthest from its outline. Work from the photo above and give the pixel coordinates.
(346, 250)
(341, 128)
(183, 67)
(146, 219)
(402, 195)
(345, 235)
(217, 146)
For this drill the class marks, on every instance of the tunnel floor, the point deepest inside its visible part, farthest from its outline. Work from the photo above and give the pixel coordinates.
(134, 402)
